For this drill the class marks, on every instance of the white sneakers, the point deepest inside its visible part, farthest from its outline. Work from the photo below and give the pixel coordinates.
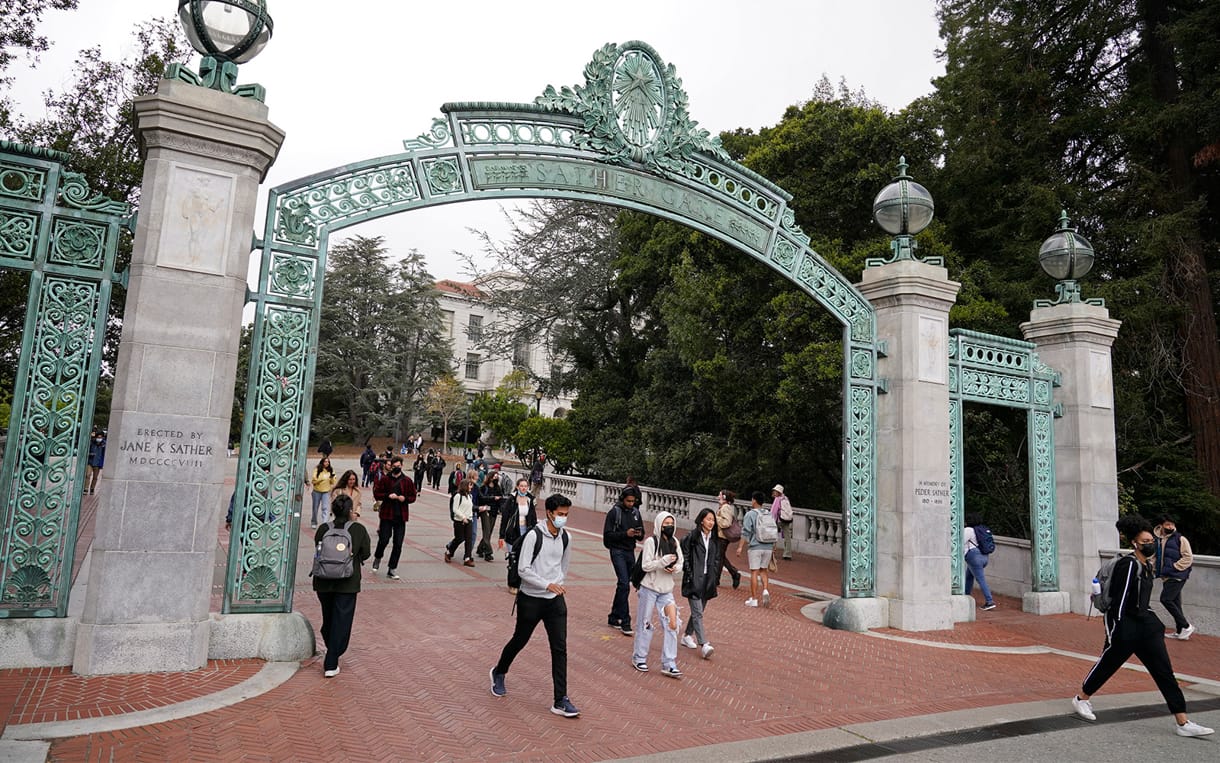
(751, 602)
(335, 672)
(1192, 729)
(1084, 708)
(706, 651)
(689, 642)
(766, 600)
(1185, 635)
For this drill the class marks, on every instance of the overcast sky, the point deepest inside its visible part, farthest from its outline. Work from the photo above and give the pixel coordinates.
(350, 80)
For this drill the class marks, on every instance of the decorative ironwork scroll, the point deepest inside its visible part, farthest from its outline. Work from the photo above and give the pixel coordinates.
(623, 138)
(1000, 371)
(53, 227)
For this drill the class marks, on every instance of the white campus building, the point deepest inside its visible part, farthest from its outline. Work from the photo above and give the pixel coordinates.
(465, 314)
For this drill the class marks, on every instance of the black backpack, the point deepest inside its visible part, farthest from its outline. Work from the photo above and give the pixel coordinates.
(333, 558)
(514, 554)
(637, 570)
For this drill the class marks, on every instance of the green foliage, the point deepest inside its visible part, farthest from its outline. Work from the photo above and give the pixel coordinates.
(502, 413)
(241, 383)
(551, 435)
(445, 398)
(19, 35)
(380, 343)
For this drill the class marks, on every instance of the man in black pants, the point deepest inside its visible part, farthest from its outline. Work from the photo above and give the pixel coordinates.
(623, 528)
(1174, 560)
(1132, 628)
(396, 492)
(541, 599)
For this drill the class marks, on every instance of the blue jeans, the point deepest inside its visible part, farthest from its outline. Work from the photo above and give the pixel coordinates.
(321, 500)
(975, 562)
(650, 599)
(622, 559)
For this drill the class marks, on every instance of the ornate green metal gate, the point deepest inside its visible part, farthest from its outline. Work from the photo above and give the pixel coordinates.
(1001, 371)
(623, 138)
(52, 227)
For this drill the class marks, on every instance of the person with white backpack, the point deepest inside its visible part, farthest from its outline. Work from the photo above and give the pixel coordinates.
(781, 511)
(759, 532)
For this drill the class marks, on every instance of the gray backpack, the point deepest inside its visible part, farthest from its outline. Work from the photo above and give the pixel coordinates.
(333, 559)
(1102, 599)
(765, 529)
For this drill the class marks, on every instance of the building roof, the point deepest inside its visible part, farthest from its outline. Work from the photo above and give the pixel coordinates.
(460, 288)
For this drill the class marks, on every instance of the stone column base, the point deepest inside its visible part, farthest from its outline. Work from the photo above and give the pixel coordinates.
(37, 642)
(936, 615)
(275, 637)
(140, 648)
(964, 608)
(857, 615)
(1046, 602)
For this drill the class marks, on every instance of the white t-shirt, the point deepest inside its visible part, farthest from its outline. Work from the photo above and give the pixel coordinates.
(968, 540)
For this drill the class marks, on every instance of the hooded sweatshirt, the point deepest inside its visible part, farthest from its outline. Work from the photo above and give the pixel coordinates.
(656, 577)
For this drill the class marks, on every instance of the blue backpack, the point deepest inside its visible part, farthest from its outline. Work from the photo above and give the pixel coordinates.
(984, 538)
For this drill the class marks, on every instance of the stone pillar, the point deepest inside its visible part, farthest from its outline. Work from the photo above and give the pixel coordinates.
(1075, 340)
(162, 495)
(912, 300)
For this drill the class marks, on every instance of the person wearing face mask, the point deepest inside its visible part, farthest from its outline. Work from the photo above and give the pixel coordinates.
(699, 578)
(396, 492)
(1174, 560)
(1133, 629)
(545, 555)
(97, 456)
(662, 562)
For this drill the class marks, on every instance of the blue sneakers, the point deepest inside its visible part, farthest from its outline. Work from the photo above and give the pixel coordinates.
(565, 708)
(497, 683)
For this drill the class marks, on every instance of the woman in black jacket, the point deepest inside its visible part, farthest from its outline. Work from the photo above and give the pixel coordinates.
(1133, 629)
(338, 595)
(517, 517)
(701, 555)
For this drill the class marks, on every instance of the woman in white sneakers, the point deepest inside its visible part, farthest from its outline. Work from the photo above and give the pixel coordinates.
(701, 550)
(662, 564)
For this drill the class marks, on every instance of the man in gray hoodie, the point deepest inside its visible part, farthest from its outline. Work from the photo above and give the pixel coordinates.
(543, 564)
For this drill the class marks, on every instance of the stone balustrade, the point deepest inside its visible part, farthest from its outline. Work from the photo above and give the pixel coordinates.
(819, 533)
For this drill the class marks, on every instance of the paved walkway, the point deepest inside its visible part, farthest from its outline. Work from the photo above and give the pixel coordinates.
(414, 682)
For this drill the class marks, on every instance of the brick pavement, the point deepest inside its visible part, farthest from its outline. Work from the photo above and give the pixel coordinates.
(414, 682)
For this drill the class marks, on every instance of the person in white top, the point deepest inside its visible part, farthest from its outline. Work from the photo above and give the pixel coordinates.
(461, 511)
(702, 551)
(662, 563)
(976, 560)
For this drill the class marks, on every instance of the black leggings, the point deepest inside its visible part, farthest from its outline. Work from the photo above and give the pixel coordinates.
(1150, 649)
(461, 535)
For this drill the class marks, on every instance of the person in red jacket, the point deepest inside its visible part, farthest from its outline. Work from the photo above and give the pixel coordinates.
(396, 492)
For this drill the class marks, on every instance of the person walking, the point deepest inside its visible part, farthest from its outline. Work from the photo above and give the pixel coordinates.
(728, 530)
(491, 495)
(396, 492)
(337, 596)
(322, 481)
(1134, 629)
(976, 560)
(96, 458)
(1173, 562)
(622, 529)
(436, 465)
(366, 461)
(662, 562)
(517, 517)
(349, 485)
(781, 511)
(419, 469)
(325, 448)
(701, 552)
(754, 530)
(536, 474)
(461, 512)
(543, 564)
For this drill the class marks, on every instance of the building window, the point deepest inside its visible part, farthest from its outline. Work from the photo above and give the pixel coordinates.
(447, 322)
(475, 329)
(472, 365)
(521, 355)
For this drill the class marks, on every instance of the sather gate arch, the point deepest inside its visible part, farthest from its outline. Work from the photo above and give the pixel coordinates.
(623, 138)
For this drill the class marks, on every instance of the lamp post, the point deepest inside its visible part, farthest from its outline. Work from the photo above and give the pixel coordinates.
(226, 33)
(902, 209)
(538, 402)
(1067, 257)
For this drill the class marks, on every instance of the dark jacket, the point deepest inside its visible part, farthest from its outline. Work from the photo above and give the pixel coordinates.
(1129, 617)
(97, 453)
(696, 584)
(508, 519)
(367, 457)
(361, 550)
(394, 510)
(1170, 551)
(491, 494)
(618, 521)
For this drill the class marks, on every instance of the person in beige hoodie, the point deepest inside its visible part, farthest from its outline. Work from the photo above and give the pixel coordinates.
(661, 561)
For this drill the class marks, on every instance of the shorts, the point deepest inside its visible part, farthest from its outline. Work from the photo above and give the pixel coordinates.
(759, 558)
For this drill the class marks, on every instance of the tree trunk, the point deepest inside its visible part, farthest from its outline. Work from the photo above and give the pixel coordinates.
(1187, 271)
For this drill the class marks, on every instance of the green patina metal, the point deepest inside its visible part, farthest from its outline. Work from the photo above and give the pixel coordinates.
(624, 138)
(1000, 371)
(54, 228)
